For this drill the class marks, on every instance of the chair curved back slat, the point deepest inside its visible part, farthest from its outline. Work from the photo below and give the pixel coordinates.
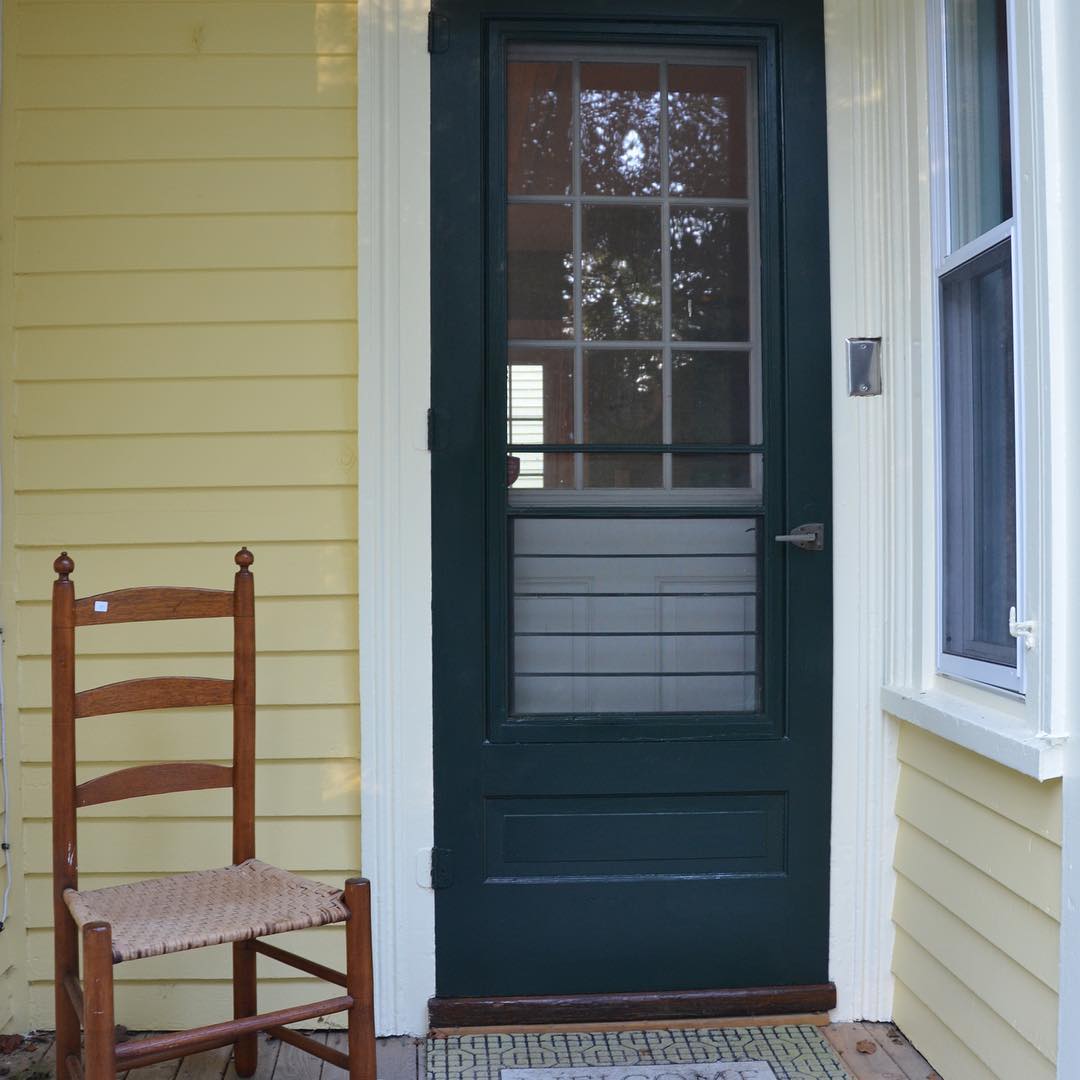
(149, 604)
(161, 692)
(152, 780)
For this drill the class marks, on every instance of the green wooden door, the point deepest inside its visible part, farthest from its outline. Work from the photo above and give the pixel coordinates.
(630, 401)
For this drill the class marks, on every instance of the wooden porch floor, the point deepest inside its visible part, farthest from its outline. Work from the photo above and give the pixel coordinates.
(869, 1051)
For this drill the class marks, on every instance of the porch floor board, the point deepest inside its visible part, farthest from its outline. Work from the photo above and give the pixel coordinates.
(893, 1058)
(877, 1052)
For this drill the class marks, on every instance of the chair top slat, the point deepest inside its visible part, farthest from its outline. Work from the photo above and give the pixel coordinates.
(162, 692)
(152, 780)
(152, 603)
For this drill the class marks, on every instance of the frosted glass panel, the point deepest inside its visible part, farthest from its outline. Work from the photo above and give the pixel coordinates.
(635, 615)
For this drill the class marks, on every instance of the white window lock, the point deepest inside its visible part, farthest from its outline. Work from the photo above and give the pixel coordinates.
(1024, 629)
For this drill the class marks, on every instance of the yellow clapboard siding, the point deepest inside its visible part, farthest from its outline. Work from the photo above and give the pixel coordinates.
(299, 624)
(287, 732)
(147, 846)
(307, 295)
(168, 1005)
(1023, 862)
(941, 1048)
(281, 679)
(162, 81)
(68, 245)
(219, 351)
(290, 459)
(156, 407)
(186, 356)
(289, 788)
(324, 944)
(181, 517)
(1027, 802)
(195, 29)
(86, 135)
(974, 1023)
(281, 569)
(1017, 928)
(187, 187)
(1021, 1000)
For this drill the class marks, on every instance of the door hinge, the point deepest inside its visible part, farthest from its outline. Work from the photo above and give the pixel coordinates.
(430, 430)
(438, 33)
(442, 869)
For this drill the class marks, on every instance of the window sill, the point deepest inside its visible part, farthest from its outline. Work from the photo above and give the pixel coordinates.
(993, 733)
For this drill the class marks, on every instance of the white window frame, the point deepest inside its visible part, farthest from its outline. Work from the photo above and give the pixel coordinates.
(980, 673)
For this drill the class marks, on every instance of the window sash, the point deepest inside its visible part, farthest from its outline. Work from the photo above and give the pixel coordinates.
(946, 262)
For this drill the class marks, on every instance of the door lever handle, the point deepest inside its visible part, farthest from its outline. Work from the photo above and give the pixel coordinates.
(809, 537)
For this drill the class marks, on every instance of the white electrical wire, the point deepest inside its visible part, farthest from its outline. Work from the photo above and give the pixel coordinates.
(6, 838)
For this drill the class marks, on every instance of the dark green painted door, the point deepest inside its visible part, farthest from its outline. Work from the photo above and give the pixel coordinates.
(630, 391)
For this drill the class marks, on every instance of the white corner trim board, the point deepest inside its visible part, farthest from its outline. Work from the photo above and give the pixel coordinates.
(396, 801)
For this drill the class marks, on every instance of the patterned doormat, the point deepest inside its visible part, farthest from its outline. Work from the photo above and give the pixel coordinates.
(795, 1052)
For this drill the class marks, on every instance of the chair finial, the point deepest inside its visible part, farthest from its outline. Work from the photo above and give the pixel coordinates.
(244, 559)
(64, 565)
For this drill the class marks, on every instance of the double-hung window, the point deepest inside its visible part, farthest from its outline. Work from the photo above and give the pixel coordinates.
(979, 580)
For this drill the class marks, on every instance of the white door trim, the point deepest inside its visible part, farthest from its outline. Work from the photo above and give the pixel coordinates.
(395, 520)
(393, 236)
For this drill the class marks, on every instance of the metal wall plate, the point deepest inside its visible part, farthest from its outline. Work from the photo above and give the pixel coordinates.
(864, 366)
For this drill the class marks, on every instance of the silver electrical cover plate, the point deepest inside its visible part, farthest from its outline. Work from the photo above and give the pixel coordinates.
(864, 366)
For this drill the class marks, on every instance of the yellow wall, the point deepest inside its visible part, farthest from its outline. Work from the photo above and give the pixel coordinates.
(978, 860)
(179, 377)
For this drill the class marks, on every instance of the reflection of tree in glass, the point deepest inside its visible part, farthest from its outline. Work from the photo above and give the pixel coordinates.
(623, 401)
(707, 124)
(623, 404)
(620, 273)
(620, 132)
(710, 280)
(538, 128)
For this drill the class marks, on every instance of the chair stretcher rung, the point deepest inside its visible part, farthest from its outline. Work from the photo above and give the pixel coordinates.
(75, 995)
(174, 1044)
(301, 963)
(310, 1046)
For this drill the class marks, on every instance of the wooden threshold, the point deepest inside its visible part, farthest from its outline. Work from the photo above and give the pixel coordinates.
(590, 1009)
(815, 1019)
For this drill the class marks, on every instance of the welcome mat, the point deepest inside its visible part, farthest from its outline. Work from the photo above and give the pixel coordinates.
(716, 1070)
(791, 1052)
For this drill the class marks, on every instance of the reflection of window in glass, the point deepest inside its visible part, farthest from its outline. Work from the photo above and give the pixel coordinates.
(977, 83)
(632, 232)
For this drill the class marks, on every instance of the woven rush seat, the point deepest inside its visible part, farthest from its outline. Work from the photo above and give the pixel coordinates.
(209, 907)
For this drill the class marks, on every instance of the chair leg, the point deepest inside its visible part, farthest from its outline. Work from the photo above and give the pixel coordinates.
(245, 1003)
(99, 1059)
(68, 1033)
(359, 980)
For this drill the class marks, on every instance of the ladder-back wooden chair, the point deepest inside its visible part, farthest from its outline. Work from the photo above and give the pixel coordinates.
(239, 903)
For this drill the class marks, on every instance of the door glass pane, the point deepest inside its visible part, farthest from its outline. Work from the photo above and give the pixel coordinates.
(635, 615)
(620, 273)
(979, 466)
(633, 340)
(620, 129)
(708, 130)
(539, 110)
(710, 274)
(977, 78)
(540, 274)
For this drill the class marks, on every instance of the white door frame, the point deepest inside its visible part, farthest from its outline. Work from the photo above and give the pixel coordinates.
(395, 518)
